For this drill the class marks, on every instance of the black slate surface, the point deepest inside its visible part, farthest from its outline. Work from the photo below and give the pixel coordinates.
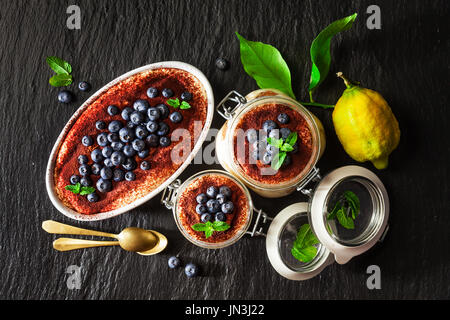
(407, 61)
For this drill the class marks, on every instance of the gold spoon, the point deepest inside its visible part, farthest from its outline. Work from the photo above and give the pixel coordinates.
(144, 242)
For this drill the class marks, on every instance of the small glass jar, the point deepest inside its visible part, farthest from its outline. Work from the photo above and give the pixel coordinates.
(225, 141)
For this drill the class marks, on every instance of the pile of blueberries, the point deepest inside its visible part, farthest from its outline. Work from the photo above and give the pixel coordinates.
(216, 202)
(260, 149)
(143, 128)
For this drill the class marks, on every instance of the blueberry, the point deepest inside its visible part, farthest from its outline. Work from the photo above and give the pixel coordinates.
(92, 197)
(283, 118)
(226, 191)
(143, 154)
(287, 161)
(141, 105)
(117, 146)
(191, 270)
(272, 150)
(130, 125)
(97, 156)
(126, 134)
(167, 93)
(175, 117)
(102, 139)
(108, 163)
(153, 114)
(152, 140)
(113, 137)
(96, 168)
(141, 132)
(126, 113)
(74, 179)
(163, 110)
(295, 148)
(259, 145)
(138, 144)
(186, 96)
(222, 64)
(285, 132)
(269, 125)
(104, 185)
(87, 141)
(205, 217)
(84, 86)
(115, 126)
(212, 192)
(145, 165)
(163, 129)
(65, 96)
(227, 207)
(130, 176)
(266, 158)
(129, 151)
(152, 126)
(152, 92)
(86, 181)
(221, 198)
(252, 135)
(106, 173)
(202, 198)
(100, 125)
(164, 141)
(137, 117)
(129, 164)
(174, 262)
(84, 170)
(83, 159)
(107, 151)
(118, 175)
(220, 216)
(117, 158)
(213, 206)
(201, 209)
(113, 110)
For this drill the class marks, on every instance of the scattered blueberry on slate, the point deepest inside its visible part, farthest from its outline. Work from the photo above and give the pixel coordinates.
(84, 86)
(65, 96)
(141, 127)
(222, 64)
(191, 270)
(174, 262)
(214, 204)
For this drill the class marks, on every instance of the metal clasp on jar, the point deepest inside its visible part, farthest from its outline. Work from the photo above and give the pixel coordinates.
(227, 111)
(313, 175)
(169, 193)
(260, 217)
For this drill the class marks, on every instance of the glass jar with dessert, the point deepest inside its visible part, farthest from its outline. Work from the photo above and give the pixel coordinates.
(270, 142)
(347, 214)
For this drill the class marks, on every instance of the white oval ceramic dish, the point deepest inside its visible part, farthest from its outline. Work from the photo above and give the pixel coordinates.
(109, 214)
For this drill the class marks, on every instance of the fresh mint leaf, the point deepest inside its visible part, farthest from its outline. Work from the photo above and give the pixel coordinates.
(60, 80)
(59, 65)
(277, 160)
(73, 188)
(303, 247)
(208, 228)
(347, 202)
(292, 138)
(332, 214)
(175, 103)
(208, 232)
(286, 147)
(265, 64)
(277, 143)
(220, 226)
(353, 201)
(344, 220)
(87, 190)
(199, 227)
(320, 51)
(185, 105)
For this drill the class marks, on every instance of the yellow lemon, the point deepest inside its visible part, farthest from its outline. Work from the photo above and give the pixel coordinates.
(365, 125)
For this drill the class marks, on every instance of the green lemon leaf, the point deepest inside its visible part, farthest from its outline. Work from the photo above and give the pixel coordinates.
(185, 105)
(59, 65)
(175, 103)
(73, 188)
(277, 160)
(87, 190)
(320, 50)
(265, 64)
(60, 80)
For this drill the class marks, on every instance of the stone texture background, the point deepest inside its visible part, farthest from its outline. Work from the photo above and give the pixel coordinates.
(407, 61)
